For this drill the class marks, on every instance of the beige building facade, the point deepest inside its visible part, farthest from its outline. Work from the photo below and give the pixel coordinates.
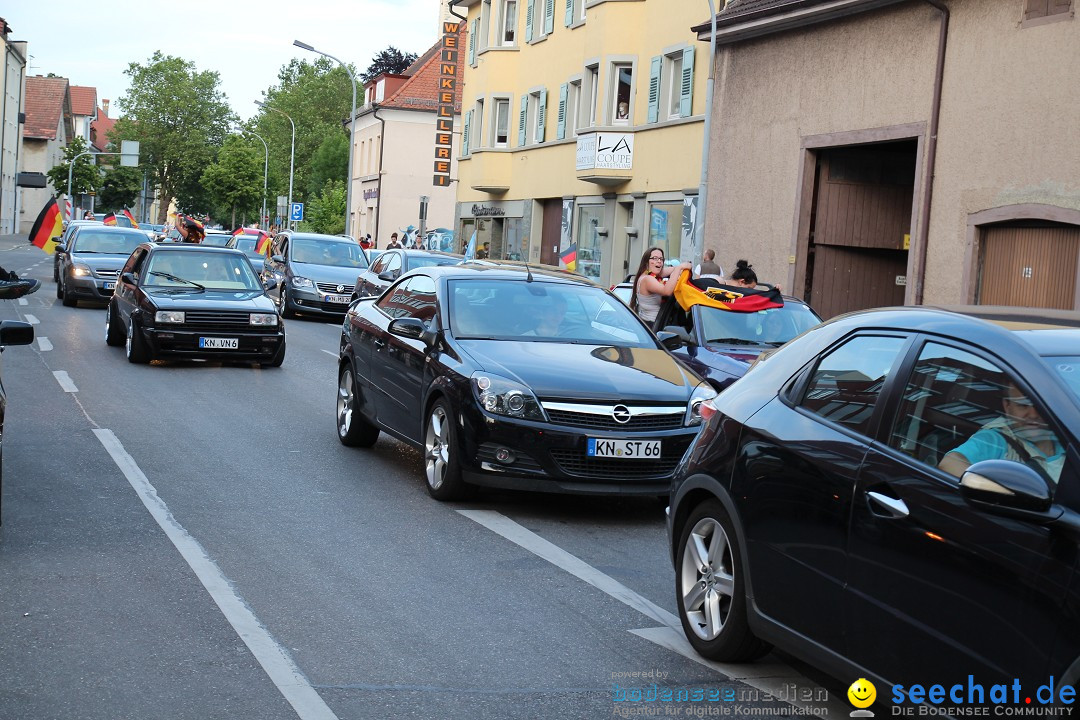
(11, 108)
(581, 133)
(868, 153)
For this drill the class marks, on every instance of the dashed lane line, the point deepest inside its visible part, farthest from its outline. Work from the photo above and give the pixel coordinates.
(23, 301)
(65, 381)
(329, 353)
(44, 344)
(32, 319)
(274, 659)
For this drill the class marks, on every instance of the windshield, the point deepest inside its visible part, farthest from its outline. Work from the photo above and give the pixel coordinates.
(327, 252)
(768, 327)
(197, 270)
(1068, 368)
(115, 243)
(246, 244)
(216, 239)
(422, 262)
(542, 312)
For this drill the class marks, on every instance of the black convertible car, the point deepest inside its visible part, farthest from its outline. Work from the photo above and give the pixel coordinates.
(193, 301)
(517, 378)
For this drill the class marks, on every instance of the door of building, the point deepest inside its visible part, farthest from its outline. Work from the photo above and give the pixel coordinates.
(551, 232)
(1029, 266)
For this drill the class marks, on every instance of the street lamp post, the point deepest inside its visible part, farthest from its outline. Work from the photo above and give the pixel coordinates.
(352, 133)
(266, 167)
(292, 148)
(703, 191)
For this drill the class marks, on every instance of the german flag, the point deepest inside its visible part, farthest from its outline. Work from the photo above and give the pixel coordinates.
(49, 224)
(710, 293)
(569, 257)
(262, 245)
(127, 214)
(109, 219)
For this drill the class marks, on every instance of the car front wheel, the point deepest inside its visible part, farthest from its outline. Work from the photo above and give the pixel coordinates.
(353, 429)
(136, 349)
(283, 303)
(711, 587)
(441, 467)
(114, 329)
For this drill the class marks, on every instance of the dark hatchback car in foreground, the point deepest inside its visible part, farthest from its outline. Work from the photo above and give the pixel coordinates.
(314, 274)
(517, 379)
(392, 264)
(893, 495)
(12, 332)
(89, 261)
(191, 301)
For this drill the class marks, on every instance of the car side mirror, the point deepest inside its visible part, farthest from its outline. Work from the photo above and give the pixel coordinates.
(679, 332)
(1006, 487)
(268, 283)
(277, 259)
(387, 275)
(128, 278)
(669, 340)
(412, 328)
(16, 332)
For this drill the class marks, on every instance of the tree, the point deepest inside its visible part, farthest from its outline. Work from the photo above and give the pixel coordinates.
(326, 212)
(330, 162)
(119, 187)
(391, 60)
(84, 178)
(179, 116)
(235, 180)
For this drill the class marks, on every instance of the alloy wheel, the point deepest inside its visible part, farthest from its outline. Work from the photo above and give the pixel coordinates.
(707, 579)
(345, 401)
(437, 447)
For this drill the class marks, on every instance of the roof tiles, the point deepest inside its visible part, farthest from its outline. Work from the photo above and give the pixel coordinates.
(45, 101)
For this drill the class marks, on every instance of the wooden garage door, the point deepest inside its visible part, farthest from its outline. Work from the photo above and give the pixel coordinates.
(847, 279)
(1029, 266)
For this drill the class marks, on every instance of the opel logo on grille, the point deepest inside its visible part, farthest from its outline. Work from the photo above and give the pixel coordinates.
(621, 413)
(341, 288)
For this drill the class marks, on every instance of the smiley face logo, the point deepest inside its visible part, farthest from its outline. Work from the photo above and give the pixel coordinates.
(862, 693)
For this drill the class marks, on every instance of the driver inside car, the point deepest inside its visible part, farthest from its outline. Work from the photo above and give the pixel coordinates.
(549, 317)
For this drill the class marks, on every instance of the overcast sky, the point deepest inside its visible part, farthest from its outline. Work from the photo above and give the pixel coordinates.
(245, 42)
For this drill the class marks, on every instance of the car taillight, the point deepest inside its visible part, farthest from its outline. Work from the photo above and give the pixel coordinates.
(707, 410)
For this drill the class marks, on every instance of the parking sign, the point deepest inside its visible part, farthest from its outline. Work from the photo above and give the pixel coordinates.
(296, 213)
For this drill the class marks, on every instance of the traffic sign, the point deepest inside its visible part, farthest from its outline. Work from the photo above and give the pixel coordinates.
(297, 212)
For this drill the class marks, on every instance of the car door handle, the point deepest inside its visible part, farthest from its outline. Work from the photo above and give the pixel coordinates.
(379, 344)
(893, 507)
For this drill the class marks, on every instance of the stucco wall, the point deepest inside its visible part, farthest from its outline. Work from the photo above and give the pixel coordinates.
(36, 156)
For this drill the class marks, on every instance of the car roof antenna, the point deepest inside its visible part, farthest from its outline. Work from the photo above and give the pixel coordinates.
(528, 275)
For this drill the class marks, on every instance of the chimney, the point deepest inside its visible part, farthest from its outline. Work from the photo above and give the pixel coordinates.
(105, 107)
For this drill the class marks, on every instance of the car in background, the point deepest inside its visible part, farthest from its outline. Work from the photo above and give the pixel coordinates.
(719, 344)
(246, 243)
(831, 468)
(12, 332)
(216, 238)
(313, 274)
(392, 264)
(69, 228)
(191, 301)
(89, 262)
(504, 376)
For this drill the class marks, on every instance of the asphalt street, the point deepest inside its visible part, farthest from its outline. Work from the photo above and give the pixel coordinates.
(190, 540)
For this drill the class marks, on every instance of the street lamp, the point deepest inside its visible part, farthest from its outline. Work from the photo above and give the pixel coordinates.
(352, 132)
(292, 147)
(266, 166)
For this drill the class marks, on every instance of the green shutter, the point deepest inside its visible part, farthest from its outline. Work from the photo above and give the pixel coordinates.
(541, 117)
(549, 16)
(522, 116)
(568, 19)
(654, 88)
(465, 133)
(560, 127)
(472, 40)
(529, 21)
(686, 92)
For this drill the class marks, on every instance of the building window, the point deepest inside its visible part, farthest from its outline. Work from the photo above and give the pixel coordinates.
(1035, 9)
(573, 102)
(478, 131)
(592, 93)
(501, 123)
(589, 251)
(666, 228)
(485, 22)
(622, 77)
(537, 116)
(672, 84)
(507, 22)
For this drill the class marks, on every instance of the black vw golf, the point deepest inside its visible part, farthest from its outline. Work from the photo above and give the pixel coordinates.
(516, 378)
(192, 301)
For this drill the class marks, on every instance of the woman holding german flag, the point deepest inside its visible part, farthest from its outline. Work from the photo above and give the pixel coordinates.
(191, 230)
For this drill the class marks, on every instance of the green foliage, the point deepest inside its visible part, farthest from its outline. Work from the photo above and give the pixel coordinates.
(391, 60)
(234, 181)
(317, 96)
(330, 162)
(326, 212)
(179, 116)
(120, 187)
(84, 178)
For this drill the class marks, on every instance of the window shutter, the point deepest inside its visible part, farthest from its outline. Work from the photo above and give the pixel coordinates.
(549, 16)
(472, 40)
(1035, 8)
(1059, 6)
(560, 127)
(686, 92)
(654, 89)
(465, 133)
(529, 21)
(522, 116)
(568, 19)
(541, 117)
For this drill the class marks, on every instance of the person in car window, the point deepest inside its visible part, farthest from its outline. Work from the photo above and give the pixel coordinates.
(1019, 434)
(649, 283)
(191, 230)
(550, 317)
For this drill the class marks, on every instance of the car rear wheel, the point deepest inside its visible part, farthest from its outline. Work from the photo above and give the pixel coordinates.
(59, 290)
(353, 429)
(283, 303)
(114, 329)
(135, 346)
(441, 466)
(710, 587)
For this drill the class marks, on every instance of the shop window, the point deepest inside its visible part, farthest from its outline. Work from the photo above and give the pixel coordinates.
(666, 229)
(589, 251)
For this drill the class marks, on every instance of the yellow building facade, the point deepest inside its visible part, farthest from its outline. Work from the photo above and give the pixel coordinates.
(582, 124)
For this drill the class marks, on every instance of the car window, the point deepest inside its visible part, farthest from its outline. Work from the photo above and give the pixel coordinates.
(212, 270)
(846, 383)
(774, 326)
(959, 408)
(413, 297)
(105, 242)
(422, 262)
(1068, 369)
(380, 262)
(135, 263)
(327, 252)
(393, 263)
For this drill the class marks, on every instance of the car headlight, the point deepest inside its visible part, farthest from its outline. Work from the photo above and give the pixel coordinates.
(502, 396)
(302, 282)
(169, 316)
(80, 270)
(702, 393)
(263, 318)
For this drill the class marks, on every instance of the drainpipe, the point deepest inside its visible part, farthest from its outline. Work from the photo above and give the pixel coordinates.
(931, 153)
(698, 243)
(378, 183)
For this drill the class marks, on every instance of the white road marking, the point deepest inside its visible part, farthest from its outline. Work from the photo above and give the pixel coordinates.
(43, 344)
(275, 660)
(329, 353)
(23, 301)
(32, 319)
(65, 381)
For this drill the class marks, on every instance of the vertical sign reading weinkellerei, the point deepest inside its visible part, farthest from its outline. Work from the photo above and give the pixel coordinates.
(444, 118)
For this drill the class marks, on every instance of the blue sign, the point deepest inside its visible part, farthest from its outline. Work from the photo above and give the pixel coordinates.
(297, 212)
